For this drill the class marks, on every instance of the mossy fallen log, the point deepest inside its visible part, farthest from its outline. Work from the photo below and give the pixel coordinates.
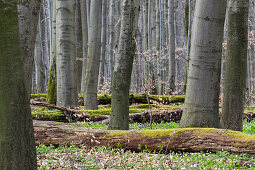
(72, 115)
(188, 140)
(133, 98)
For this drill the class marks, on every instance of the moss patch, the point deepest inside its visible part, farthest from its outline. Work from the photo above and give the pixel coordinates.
(43, 113)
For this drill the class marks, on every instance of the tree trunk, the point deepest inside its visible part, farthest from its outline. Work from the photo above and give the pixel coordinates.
(123, 66)
(52, 80)
(236, 65)
(17, 145)
(201, 107)
(92, 71)
(84, 23)
(171, 50)
(78, 45)
(184, 140)
(65, 44)
(103, 44)
(28, 17)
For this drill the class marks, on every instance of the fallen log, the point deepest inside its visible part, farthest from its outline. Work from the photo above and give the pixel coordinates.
(188, 140)
(72, 115)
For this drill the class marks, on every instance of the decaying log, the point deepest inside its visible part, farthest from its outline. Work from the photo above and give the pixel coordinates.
(72, 115)
(188, 140)
(157, 116)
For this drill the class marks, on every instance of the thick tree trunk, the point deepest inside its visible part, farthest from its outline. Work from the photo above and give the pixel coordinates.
(201, 107)
(28, 17)
(236, 65)
(123, 65)
(92, 69)
(17, 147)
(184, 140)
(65, 44)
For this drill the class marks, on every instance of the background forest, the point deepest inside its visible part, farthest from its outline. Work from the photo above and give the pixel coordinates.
(183, 67)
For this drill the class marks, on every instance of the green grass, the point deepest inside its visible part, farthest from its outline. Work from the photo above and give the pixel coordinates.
(102, 157)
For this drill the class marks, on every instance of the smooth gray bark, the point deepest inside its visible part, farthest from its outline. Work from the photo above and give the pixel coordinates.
(103, 45)
(236, 65)
(65, 46)
(78, 45)
(201, 107)
(171, 50)
(123, 67)
(84, 23)
(92, 69)
(28, 17)
(17, 145)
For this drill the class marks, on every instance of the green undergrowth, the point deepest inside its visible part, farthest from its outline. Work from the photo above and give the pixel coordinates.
(103, 157)
(44, 113)
(134, 98)
(248, 127)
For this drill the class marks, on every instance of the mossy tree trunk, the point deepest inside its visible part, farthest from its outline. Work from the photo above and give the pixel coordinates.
(94, 46)
(65, 57)
(183, 140)
(123, 66)
(201, 107)
(236, 65)
(17, 146)
(52, 82)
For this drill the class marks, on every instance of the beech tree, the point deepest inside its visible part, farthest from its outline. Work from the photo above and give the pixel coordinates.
(28, 17)
(92, 68)
(65, 60)
(201, 107)
(236, 65)
(123, 66)
(17, 145)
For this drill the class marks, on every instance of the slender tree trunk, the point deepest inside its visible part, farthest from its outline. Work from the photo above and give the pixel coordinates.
(28, 17)
(201, 107)
(171, 50)
(123, 68)
(236, 65)
(84, 22)
(103, 44)
(52, 80)
(78, 45)
(65, 44)
(39, 68)
(92, 71)
(17, 146)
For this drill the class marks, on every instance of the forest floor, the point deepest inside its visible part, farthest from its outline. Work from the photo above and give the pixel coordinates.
(83, 157)
(101, 157)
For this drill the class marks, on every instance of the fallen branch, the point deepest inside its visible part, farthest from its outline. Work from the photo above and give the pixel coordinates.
(188, 140)
(72, 115)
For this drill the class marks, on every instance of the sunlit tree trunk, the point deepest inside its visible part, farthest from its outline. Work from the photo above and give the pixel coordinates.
(65, 57)
(201, 107)
(17, 146)
(123, 67)
(92, 69)
(236, 65)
